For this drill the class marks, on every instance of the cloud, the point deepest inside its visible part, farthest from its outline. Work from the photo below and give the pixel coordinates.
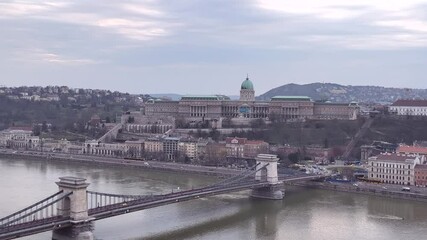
(134, 29)
(363, 24)
(43, 56)
(371, 42)
(144, 10)
(137, 26)
(26, 8)
(405, 24)
(339, 9)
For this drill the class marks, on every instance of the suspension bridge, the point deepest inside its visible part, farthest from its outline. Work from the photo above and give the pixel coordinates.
(73, 206)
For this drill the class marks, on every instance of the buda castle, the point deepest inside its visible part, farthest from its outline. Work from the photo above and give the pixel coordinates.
(216, 107)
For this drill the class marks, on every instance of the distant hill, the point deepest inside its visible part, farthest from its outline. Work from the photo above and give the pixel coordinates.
(340, 93)
(175, 97)
(170, 96)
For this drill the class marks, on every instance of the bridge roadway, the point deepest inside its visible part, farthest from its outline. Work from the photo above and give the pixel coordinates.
(57, 222)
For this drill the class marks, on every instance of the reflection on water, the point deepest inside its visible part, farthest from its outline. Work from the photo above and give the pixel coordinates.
(303, 214)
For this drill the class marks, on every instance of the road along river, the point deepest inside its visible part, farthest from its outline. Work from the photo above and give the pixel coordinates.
(303, 214)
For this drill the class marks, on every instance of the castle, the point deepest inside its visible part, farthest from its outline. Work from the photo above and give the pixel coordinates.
(217, 107)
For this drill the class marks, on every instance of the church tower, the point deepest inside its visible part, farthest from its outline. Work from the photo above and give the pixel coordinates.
(247, 92)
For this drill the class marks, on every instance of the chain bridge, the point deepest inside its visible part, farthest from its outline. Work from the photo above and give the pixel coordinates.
(73, 207)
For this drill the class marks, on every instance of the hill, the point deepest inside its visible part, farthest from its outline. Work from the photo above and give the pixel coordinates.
(340, 93)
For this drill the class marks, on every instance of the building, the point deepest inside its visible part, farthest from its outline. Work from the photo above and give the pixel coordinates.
(104, 149)
(421, 175)
(252, 148)
(188, 148)
(244, 148)
(404, 149)
(376, 148)
(153, 145)
(406, 107)
(134, 148)
(217, 107)
(394, 168)
(170, 147)
(19, 137)
(235, 147)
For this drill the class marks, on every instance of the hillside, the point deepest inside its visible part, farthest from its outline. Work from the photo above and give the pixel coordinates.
(336, 133)
(340, 93)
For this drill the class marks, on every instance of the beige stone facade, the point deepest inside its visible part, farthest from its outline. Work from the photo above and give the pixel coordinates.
(393, 168)
(153, 145)
(288, 108)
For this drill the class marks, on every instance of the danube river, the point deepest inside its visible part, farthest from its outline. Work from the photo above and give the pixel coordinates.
(303, 214)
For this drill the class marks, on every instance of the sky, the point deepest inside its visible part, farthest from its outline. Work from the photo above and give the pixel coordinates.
(208, 47)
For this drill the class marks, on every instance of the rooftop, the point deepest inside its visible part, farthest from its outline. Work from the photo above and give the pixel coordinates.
(247, 84)
(205, 97)
(393, 157)
(291, 98)
(411, 149)
(421, 166)
(410, 103)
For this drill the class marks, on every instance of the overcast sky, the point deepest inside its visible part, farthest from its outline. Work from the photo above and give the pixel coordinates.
(208, 46)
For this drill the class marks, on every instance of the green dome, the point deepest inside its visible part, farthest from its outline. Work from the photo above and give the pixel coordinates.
(247, 84)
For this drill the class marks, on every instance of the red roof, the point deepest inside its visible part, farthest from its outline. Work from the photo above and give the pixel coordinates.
(412, 149)
(25, 128)
(255, 142)
(421, 167)
(394, 157)
(235, 140)
(410, 103)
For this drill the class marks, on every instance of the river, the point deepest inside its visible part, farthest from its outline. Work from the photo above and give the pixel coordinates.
(303, 214)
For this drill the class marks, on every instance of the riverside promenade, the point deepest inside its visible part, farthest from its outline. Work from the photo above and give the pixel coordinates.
(391, 191)
(90, 159)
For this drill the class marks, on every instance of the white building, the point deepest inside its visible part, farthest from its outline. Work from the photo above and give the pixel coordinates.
(409, 107)
(104, 149)
(189, 148)
(394, 168)
(16, 137)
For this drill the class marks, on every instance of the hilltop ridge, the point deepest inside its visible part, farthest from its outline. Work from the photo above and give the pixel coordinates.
(341, 93)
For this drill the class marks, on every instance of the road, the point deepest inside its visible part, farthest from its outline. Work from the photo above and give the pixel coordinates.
(126, 162)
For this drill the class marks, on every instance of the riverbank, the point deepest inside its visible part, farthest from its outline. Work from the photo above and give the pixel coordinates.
(126, 163)
(422, 197)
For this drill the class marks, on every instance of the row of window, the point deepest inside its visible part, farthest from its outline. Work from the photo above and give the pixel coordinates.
(389, 165)
(390, 177)
(393, 171)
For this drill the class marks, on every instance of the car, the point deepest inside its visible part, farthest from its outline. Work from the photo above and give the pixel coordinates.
(355, 184)
(406, 189)
(385, 188)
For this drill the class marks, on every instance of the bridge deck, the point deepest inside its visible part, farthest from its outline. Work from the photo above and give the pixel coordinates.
(56, 222)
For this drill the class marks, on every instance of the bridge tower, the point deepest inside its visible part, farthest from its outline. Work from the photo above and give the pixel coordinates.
(75, 207)
(268, 165)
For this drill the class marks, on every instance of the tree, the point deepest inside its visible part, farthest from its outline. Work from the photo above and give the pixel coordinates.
(258, 123)
(214, 134)
(131, 119)
(36, 130)
(325, 143)
(44, 126)
(294, 157)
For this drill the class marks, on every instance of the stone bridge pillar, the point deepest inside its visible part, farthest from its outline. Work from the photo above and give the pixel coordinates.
(269, 174)
(75, 207)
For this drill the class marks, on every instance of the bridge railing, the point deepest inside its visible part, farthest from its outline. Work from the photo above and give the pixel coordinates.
(99, 199)
(46, 208)
(100, 202)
